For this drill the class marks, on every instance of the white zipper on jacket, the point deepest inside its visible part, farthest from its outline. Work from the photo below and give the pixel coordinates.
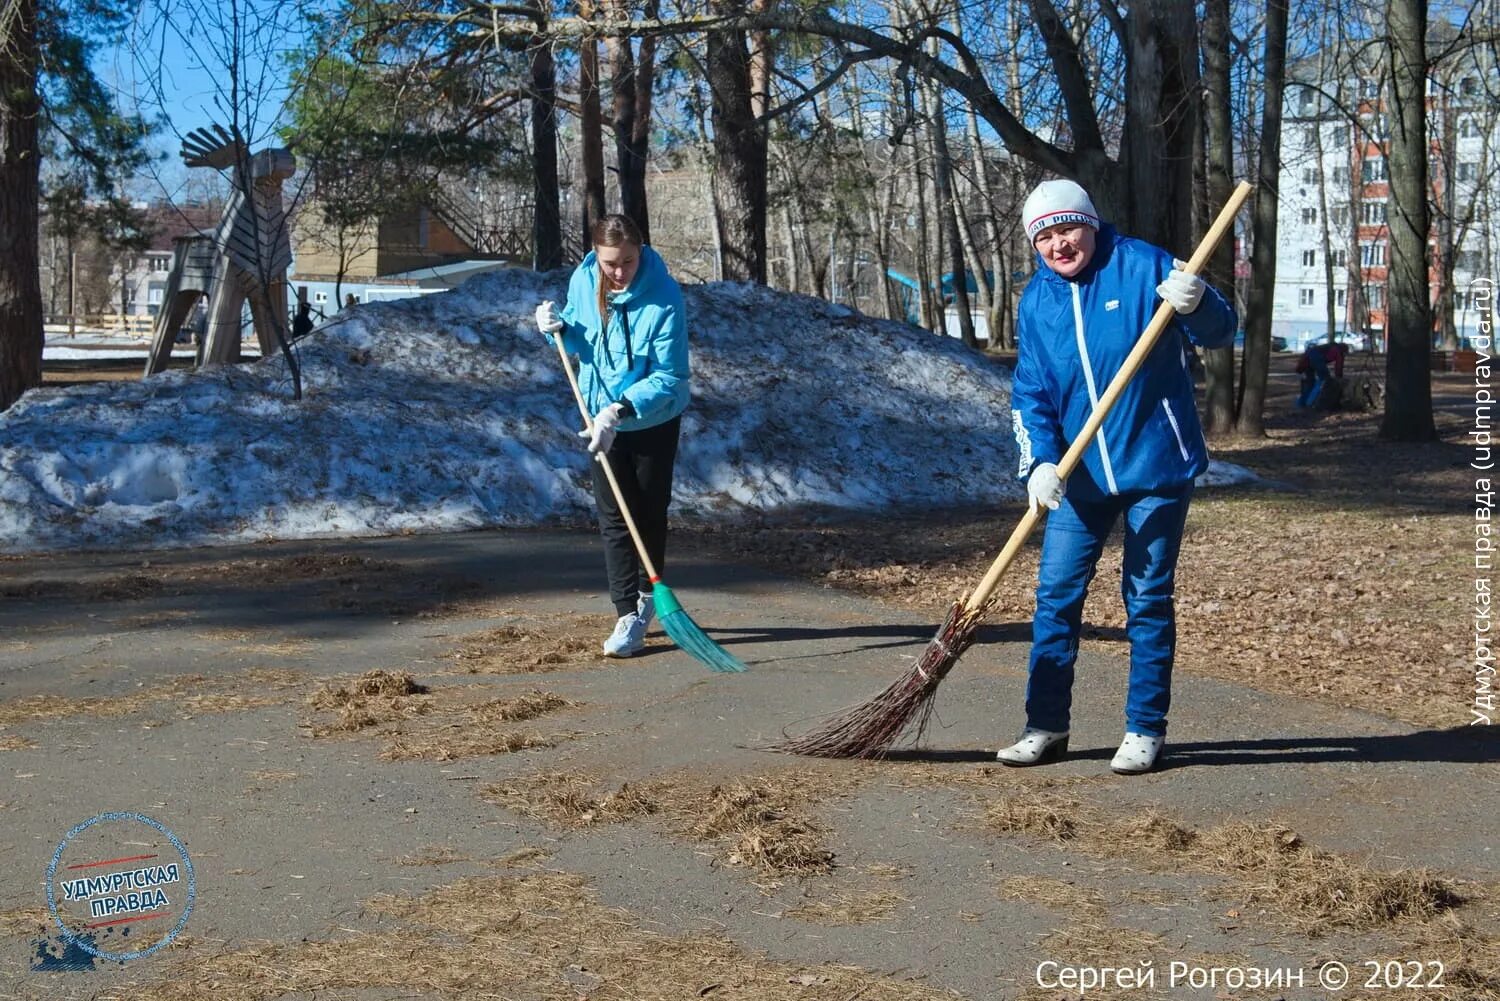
(1176, 431)
(1088, 378)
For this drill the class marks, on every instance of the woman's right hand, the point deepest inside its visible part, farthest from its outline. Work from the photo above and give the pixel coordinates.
(547, 320)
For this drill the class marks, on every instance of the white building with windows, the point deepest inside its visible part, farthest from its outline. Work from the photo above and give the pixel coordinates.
(1333, 236)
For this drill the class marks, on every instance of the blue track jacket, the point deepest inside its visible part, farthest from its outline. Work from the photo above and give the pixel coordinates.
(643, 356)
(1074, 336)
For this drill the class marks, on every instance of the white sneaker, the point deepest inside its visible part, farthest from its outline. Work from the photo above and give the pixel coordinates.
(1138, 753)
(628, 638)
(645, 610)
(1034, 748)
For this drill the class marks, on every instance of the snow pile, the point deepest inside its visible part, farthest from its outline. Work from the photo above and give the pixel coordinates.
(450, 412)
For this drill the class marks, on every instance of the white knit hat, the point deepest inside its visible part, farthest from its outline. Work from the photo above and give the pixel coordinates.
(1056, 202)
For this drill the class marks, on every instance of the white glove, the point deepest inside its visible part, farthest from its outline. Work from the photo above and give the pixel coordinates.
(605, 425)
(1182, 290)
(1044, 487)
(547, 320)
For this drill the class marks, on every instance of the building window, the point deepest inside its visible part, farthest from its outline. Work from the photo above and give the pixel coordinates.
(1340, 135)
(1372, 170)
(1340, 297)
(1372, 255)
(1341, 258)
(320, 297)
(153, 296)
(1305, 103)
(1467, 260)
(1309, 175)
(1375, 296)
(1460, 301)
(1309, 258)
(1369, 88)
(1309, 217)
(1468, 127)
(1340, 216)
(1468, 170)
(1305, 297)
(1341, 174)
(1468, 87)
(1372, 213)
(161, 264)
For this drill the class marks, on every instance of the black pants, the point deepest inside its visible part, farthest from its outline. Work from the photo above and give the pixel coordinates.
(642, 461)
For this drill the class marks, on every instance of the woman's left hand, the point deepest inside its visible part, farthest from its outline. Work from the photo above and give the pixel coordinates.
(603, 434)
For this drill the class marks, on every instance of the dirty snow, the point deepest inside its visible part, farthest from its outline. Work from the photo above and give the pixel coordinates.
(450, 412)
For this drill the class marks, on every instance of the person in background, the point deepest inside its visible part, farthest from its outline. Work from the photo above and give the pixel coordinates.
(1078, 319)
(1313, 368)
(625, 321)
(302, 323)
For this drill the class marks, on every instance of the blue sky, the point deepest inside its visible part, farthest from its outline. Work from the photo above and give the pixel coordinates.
(173, 63)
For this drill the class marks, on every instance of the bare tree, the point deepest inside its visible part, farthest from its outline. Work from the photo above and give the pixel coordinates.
(1408, 387)
(1258, 306)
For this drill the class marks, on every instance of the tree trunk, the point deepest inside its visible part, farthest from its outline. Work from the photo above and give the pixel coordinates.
(1161, 79)
(20, 194)
(591, 126)
(740, 160)
(1257, 360)
(1218, 168)
(1408, 378)
(547, 246)
(631, 87)
(942, 176)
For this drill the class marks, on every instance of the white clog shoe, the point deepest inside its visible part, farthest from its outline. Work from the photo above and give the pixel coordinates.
(1138, 753)
(1035, 747)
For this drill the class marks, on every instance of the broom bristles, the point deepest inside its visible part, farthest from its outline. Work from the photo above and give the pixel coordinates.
(872, 728)
(689, 636)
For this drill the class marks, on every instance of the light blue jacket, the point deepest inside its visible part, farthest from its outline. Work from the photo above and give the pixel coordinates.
(1074, 335)
(643, 356)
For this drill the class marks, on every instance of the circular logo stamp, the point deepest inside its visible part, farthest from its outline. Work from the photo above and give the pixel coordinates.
(120, 886)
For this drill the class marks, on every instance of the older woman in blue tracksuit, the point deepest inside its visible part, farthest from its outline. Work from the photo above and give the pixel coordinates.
(625, 321)
(1078, 319)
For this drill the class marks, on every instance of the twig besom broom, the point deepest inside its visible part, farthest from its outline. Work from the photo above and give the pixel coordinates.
(868, 730)
(686, 633)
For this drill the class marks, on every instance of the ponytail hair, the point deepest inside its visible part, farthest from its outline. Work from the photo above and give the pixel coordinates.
(611, 231)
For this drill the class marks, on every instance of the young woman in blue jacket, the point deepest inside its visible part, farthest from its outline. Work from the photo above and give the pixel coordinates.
(625, 322)
(1077, 321)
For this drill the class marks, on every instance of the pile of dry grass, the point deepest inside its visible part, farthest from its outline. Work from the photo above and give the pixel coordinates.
(457, 727)
(572, 799)
(532, 646)
(1268, 864)
(755, 831)
(373, 698)
(1046, 815)
(15, 742)
(457, 741)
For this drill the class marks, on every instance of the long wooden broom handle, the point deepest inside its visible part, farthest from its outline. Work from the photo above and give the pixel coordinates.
(609, 472)
(1133, 362)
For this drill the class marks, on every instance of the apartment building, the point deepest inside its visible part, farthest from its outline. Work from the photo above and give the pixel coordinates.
(1333, 233)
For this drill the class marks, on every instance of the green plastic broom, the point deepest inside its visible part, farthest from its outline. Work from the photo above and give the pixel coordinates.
(686, 633)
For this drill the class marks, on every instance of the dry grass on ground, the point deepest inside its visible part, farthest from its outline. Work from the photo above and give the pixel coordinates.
(446, 724)
(534, 644)
(185, 696)
(544, 934)
(1341, 579)
(1268, 866)
(758, 822)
